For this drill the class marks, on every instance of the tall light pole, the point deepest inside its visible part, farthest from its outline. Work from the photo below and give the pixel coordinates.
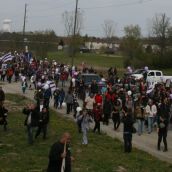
(74, 29)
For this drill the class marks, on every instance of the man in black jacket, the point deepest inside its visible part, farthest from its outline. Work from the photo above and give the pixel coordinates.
(43, 122)
(128, 127)
(58, 152)
(3, 117)
(31, 120)
(2, 96)
(107, 109)
(163, 120)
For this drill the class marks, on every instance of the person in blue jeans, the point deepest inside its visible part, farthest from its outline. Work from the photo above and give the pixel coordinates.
(151, 112)
(61, 97)
(140, 115)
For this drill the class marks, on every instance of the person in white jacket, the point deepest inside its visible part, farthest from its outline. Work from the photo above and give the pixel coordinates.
(151, 112)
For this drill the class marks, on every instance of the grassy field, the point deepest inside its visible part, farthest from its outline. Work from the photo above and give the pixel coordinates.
(99, 61)
(91, 59)
(103, 154)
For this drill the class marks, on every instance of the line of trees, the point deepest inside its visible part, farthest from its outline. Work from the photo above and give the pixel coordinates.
(39, 42)
(161, 34)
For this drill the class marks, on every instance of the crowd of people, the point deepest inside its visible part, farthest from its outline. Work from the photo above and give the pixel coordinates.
(124, 100)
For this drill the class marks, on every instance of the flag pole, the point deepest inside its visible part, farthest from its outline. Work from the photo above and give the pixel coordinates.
(63, 161)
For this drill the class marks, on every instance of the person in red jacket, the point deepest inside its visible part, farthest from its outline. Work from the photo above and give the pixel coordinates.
(98, 99)
(97, 112)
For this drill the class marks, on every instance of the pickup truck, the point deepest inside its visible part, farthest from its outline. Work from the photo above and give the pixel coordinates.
(152, 76)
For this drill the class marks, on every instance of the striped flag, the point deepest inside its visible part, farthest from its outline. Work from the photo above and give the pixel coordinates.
(51, 85)
(7, 57)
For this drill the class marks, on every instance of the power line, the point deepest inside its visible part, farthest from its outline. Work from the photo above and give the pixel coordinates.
(53, 8)
(118, 5)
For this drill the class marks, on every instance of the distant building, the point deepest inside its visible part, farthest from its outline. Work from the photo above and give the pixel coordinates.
(6, 25)
(99, 45)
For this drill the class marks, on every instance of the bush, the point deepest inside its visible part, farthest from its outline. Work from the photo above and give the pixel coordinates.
(141, 59)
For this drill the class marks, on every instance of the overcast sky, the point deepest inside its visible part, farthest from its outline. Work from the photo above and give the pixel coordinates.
(47, 14)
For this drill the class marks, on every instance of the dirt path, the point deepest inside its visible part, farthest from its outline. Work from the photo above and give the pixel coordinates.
(146, 142)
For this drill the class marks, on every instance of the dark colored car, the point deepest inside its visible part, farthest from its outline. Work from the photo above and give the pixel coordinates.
(88, 78)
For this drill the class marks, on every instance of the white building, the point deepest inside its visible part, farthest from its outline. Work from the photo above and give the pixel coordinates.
(6, 25)
(99, 45)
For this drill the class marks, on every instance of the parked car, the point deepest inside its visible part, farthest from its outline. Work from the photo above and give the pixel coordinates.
(84, 50)
(88, 78)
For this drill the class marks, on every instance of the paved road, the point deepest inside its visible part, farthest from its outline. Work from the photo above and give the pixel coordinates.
(146, 142)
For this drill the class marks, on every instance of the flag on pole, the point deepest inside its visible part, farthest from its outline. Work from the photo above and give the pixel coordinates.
(7, 57)
(63, 161)
(51, 85)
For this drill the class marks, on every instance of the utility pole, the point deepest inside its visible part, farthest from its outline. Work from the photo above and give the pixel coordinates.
(74, 30)
(24, 24)
(24, 27)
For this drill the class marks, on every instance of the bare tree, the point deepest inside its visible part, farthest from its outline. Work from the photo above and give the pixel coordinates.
(160, 28)
(68, 20)
(109, 28)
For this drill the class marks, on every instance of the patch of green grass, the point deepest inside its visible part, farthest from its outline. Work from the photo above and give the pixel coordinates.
(103, 154)
(91, 59)
(167, 71)
(20, 100)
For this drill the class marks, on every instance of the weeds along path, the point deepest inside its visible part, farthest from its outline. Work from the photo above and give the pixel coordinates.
(146, 142)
